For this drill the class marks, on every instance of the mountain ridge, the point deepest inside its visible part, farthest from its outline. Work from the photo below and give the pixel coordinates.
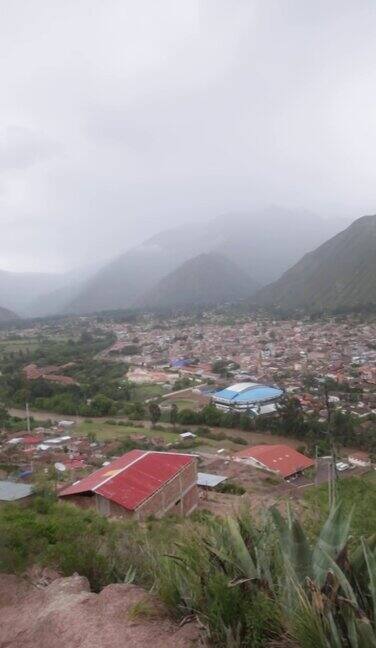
(260, 243)
(340, 273)
(7, 315)
(206, 279)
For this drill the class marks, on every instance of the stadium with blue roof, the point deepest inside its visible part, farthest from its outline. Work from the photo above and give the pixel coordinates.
(245, 396)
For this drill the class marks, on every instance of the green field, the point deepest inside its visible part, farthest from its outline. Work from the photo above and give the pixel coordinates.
(14, 346)
(29, 344)
(106, 432)
(143, 392)
(184, 403)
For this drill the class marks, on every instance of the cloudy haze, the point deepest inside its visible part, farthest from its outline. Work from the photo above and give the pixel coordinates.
(120, 118)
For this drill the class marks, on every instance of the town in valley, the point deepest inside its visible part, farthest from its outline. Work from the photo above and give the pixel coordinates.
(257, 406)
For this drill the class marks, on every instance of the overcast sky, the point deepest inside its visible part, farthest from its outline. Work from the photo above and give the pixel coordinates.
(119, 118)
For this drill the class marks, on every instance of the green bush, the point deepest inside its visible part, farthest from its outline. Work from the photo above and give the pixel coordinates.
(230, 487)
(55, 534)
(238, 440)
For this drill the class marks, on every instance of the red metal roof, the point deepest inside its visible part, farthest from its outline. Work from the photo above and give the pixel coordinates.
(279, 458)
(29, 439)
(132, 478)
(73, 464)
(90, 482)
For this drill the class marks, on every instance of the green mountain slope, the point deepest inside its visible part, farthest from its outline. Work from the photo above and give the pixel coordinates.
(206, 279)
(341, 273)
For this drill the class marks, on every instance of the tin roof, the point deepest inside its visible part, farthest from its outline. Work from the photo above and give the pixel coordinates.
(280, 458)
(207, 479)
(11, 491)
(132, 478)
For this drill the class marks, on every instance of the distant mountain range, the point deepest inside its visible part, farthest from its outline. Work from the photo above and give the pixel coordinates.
(34, 294)
(340, 274)
(19, 289)
(262, 244)
(207, 279)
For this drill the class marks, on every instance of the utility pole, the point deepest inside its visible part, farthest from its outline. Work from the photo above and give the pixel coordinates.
(28, 417)
(333, 474)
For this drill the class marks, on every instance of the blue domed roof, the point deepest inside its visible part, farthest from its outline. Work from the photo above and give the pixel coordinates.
(248, 393)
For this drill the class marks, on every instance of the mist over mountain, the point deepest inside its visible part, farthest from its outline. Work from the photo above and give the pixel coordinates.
(207, 279)
(64, 288)
(341, 273)
(7, 315)
(268, 242)
(263, 244)
(19, 289)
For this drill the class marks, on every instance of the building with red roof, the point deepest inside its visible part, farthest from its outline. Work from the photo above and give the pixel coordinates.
(31, 439)
(138, 484)
(280, 459)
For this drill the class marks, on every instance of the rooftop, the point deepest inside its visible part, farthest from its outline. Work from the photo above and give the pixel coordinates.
(207, 479)
(279, 458)
(248, 391)
(132, 478)
(11, 491)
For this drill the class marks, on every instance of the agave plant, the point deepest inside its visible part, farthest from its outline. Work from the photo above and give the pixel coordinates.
(249, 585)
(328, 595)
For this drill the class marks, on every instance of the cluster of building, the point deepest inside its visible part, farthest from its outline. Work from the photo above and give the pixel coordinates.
(30, 451)
(243, 367)
(292, 355)
(50, 373)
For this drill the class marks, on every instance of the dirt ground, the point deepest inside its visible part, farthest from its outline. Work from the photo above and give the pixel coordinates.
(65, 614)
(263, 489)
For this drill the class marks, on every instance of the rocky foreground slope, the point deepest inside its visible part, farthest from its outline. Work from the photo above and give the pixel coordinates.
(65, 614)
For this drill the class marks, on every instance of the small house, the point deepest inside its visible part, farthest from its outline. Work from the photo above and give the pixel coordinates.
(139, 484)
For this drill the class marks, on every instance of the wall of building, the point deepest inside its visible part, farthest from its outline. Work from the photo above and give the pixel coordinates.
(83, 501)
(23, 501)
(190, 500)
(169, 500)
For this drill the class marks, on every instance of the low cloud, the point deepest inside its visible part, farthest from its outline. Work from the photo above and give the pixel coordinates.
(21, 148)
(122, 118)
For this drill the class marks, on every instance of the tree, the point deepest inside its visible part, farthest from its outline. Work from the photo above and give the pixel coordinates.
(4, 416)
(212, 416)
(291, 417)
(189, 417)
(155, 413)
(101, 405)
(91, 435)
(173, 415)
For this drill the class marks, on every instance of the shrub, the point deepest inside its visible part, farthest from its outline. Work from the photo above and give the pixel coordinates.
(230, 487)
(238, 440)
